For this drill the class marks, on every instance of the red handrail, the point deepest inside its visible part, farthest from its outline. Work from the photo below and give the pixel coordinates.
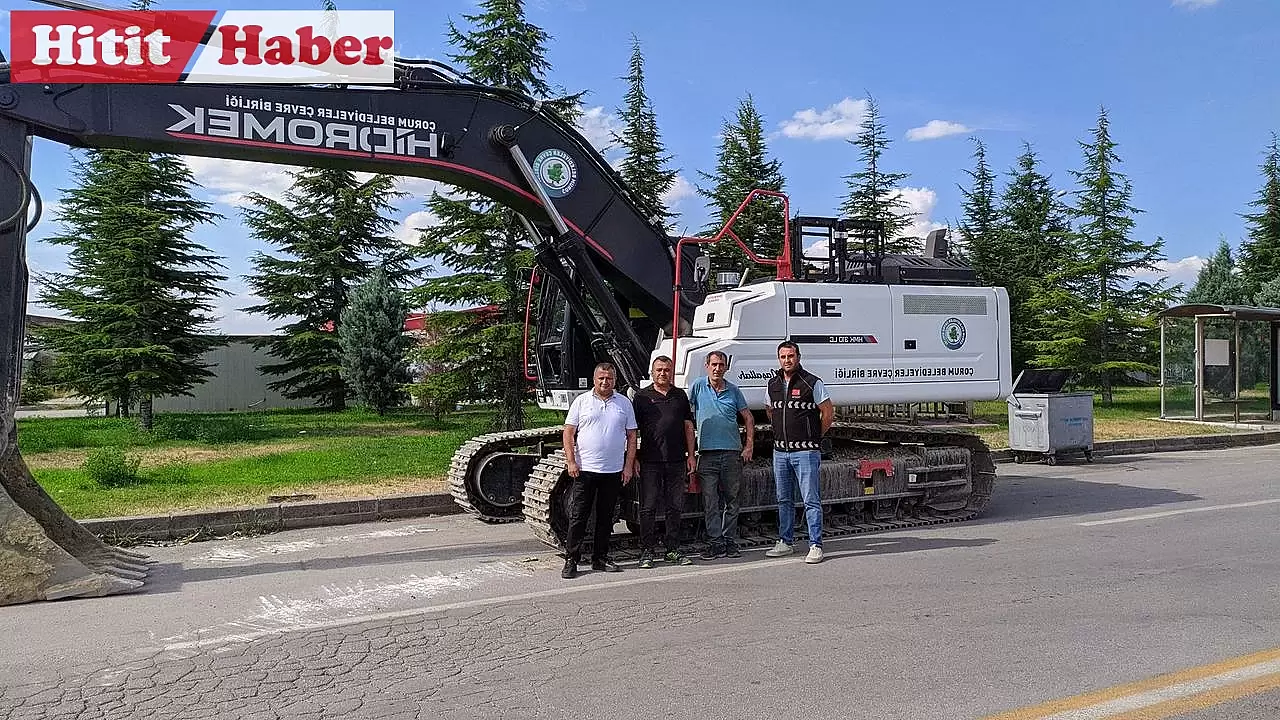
(782, 262)
(528, 307)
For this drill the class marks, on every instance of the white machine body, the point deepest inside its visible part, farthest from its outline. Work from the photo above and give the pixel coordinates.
(870, 344)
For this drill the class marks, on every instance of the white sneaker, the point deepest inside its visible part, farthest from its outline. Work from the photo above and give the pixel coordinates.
(780, 550)
(815, 555)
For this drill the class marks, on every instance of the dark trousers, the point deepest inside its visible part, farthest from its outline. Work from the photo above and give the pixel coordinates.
(598, 490)
(661, 486)
(721, 472)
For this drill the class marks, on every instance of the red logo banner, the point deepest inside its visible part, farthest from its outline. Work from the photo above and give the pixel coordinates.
(125, 46)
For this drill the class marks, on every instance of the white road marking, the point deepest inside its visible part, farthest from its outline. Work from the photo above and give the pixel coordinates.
(1169, 513)
(252, 632)
(335, 605)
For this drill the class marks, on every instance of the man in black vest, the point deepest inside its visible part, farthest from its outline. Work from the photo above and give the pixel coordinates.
(801, 412)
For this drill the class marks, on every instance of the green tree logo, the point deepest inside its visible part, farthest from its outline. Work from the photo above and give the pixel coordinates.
(555, 172)
(953, 333)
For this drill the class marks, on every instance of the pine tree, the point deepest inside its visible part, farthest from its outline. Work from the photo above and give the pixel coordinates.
(743, 165)
(1031, 245)
(979, 229)
(139, 290)
(482, 243)
(875, 194)
(644, 164)
(332, 231)
(374, 344)
(1269, 295)
(1219, 282)
(1098, 320)
(1260, 254)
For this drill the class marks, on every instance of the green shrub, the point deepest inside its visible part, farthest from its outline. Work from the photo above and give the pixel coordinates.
(112, 467)
(33, 394)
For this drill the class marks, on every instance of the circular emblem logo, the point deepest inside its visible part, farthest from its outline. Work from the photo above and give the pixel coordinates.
(556, 172)
(953, 333)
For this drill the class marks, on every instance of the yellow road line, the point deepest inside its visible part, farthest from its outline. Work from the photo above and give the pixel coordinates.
(1204, 700)
(1161, 682)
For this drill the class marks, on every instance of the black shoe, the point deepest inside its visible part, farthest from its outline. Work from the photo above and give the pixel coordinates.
(570, 569)
(646, 559)
(732, 550)
(605, 566)
(713, 551)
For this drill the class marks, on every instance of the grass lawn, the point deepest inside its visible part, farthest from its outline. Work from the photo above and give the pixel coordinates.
(202, 461)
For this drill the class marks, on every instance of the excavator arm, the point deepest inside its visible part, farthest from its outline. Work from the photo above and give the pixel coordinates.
(609, 261)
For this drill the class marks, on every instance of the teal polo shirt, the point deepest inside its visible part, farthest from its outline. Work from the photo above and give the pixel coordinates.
(716, 414)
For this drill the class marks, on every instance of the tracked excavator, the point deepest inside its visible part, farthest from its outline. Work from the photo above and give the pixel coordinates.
(610, 285)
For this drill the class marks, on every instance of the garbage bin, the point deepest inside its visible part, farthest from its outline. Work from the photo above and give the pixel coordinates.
(1046, 422)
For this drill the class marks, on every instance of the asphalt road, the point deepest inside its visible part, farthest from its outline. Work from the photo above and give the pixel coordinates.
(1139, 587)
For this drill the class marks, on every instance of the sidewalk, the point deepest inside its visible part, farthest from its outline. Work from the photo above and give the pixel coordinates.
(207, 524)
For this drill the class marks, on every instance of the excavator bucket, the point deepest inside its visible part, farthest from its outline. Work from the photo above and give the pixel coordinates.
(44, 553)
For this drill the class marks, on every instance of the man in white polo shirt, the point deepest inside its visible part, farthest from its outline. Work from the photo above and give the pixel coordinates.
(599, 453)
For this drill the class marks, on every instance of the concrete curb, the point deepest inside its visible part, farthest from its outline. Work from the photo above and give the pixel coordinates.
(269, 518)
(316, 513)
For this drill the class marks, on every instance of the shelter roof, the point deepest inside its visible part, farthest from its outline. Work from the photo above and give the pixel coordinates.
(1234, 312)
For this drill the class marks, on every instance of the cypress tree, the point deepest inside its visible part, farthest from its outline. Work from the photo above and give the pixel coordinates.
(374, 344)
(139, 290)
(874, 193)
(332, 230)
(742, 165)
(644, 164)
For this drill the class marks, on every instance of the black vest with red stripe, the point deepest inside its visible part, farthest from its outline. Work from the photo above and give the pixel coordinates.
(797, 424)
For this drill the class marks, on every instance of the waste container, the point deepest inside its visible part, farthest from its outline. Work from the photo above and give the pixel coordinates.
(1045, 422)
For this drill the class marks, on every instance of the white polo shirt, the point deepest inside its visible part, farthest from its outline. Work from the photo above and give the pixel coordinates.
(601, 439)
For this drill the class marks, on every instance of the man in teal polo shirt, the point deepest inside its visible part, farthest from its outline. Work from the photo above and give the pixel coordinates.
(717, 406)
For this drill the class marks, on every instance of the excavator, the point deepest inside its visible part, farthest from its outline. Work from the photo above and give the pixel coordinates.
(610, 284)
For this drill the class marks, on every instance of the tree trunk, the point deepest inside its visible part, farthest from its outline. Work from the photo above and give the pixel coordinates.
(44, 554)
(145, 413)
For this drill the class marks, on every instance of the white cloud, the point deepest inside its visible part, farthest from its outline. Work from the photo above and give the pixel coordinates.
(1177, 271)
(407, 232)
(230, 181)
(841, 120)
(679, 190)
(419, 189)
(231, 320)
(922, 202)
(1195, 4)
(935, 129)
(597, 125)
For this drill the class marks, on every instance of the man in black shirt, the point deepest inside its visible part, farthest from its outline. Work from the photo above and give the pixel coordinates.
(666, 457)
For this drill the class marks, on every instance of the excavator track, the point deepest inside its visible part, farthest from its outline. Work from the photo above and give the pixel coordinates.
(896, 501)
(486, 474)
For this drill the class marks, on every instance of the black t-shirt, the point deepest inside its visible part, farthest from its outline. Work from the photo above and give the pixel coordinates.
(661, 419)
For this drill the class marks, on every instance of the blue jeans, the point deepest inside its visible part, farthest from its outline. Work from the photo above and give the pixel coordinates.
(721, 473)
(789, 467)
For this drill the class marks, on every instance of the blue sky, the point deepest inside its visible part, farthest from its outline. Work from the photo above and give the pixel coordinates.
(1190, 86)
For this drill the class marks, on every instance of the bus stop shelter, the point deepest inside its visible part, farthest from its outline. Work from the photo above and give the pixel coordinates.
(1223, 352)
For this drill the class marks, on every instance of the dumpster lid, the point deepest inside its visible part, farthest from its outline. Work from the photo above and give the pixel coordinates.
(1041, 380)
